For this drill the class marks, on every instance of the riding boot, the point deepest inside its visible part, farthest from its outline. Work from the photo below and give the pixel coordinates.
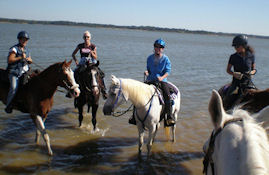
(132, 119)
(169, 120)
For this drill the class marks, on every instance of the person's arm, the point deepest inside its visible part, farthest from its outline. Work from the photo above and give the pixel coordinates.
(94, 53)
(229, 69)
(74, 55)
(12, 57)
(163, 77)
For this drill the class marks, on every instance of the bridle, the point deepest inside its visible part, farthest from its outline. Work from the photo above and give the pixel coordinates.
(208, 156)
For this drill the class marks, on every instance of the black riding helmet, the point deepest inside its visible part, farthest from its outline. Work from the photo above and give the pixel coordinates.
(240, 40)
(23, 34)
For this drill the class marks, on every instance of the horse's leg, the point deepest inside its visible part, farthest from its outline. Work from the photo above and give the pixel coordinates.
(38, 133)
(152, 133)
(141, 137)
(42, 130)
(94, 111)
(157, 127)
(80, 114)
(173, 128)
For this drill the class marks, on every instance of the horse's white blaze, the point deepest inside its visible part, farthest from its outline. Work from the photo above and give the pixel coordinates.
(241, 147)
(70, 75)
(94, 81)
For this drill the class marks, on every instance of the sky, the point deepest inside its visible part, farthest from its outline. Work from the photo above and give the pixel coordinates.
(229, 16)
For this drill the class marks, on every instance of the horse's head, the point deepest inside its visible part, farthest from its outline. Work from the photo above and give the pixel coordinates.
(116, 96)
(91, 79)
(235, 141)
(68, 80)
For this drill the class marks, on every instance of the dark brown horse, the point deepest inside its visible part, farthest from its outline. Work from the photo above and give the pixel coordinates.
(89, 81)
(252, 100)
(36, 97)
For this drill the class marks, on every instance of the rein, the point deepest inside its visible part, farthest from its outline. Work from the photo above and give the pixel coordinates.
(208, 156)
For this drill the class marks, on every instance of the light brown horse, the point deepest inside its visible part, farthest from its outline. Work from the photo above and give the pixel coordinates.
(252, 100)
(36, 97)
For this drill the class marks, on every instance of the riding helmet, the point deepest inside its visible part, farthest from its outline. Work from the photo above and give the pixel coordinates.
(159, 42)
(23, 34)
(240, 40)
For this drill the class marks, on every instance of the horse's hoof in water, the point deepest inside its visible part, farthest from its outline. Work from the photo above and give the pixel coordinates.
(50, 153)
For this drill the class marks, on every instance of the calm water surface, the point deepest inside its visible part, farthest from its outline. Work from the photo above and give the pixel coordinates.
(198, 66)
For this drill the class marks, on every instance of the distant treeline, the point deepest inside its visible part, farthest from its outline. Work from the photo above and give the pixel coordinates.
(148, 28)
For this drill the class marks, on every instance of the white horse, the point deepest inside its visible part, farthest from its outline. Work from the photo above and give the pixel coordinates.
(148, 108)
(238, 145)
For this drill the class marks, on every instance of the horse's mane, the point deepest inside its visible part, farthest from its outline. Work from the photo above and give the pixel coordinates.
(137, 90)
(54, 67)
(256, 144)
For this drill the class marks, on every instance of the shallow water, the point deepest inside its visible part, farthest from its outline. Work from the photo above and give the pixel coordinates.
(198, 63)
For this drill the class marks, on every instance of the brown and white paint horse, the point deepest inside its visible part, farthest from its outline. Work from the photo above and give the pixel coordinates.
(36, 97)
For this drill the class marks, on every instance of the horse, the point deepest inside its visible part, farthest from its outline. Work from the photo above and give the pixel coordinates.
(145, 98)
(252, 100)
(89, 79)
(238, 144)
(36, 97)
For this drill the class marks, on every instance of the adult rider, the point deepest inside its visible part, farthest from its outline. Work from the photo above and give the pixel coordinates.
(18, 59)
(88, 54)
(243, 64)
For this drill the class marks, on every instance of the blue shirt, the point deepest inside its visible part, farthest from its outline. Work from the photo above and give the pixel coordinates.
(157, 67)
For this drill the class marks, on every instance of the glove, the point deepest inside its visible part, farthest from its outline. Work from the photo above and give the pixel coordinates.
(237, 75)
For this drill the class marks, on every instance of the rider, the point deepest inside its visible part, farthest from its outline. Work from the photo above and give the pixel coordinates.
(158, 69)
(88, 53)
(18, 60)
(243, 63)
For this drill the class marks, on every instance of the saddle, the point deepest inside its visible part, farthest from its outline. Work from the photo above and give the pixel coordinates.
(173, 92)
(24, 79)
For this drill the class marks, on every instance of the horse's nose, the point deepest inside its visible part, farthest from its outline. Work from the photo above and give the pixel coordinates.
(76, 92)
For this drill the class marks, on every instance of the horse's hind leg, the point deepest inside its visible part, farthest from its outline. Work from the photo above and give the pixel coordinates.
(42, 130)
(173, 128)
(94, 111)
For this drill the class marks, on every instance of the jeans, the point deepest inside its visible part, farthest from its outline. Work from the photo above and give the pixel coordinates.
(14, 84)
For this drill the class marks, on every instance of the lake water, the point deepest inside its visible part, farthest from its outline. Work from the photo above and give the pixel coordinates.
(198, 66)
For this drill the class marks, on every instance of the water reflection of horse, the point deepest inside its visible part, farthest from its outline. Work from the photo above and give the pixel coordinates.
(252, 100)
(148, 107)
(36, 97)
(89, 79)
(238, 145)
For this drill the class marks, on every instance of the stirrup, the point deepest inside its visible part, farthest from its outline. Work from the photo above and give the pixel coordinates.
(132, 120)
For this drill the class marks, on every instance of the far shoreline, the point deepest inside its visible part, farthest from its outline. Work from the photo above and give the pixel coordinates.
(144, 28)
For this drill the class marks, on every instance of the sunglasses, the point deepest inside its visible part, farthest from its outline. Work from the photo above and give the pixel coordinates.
(158, 46)
(86, 37)
(236, 47)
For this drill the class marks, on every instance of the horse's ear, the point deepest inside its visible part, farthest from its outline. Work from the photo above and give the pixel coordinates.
(263, 117)
(216, 110)
(115, 80)
(68, 63)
